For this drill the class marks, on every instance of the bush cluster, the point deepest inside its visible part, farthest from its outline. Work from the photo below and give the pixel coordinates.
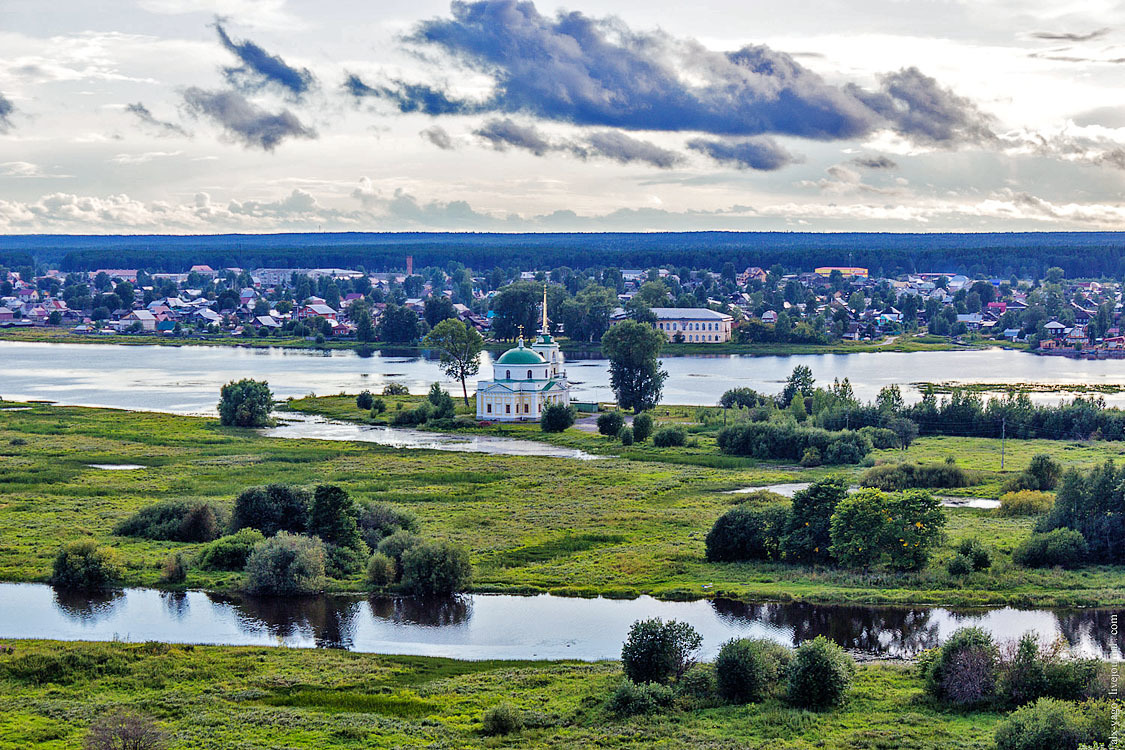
(748, 670)
(905, 476)
(658, 651)
(1061, 547)
(669, 437)
(633, 699)
(286, 565)
(782, 440)
(610, 423)
(379, 520)
(748, 533)
(230, 552)
(1091, 503)
(557, 418)
(84, 565)
(642, 427)
(1025, 503)
(819, 675)
(173, 521)
(1050, 724)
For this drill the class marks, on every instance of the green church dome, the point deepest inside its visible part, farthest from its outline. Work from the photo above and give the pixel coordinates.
(521, 356)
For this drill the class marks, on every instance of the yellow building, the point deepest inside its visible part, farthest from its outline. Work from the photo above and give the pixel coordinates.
(846, 270)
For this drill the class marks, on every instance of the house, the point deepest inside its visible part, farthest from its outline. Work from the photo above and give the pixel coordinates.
(1055, 329)
(693, 324)
(144, 317)
(972, 321)
(752, 273)
(320, 310)
(267, 321)
(769, 316)
(997, 308)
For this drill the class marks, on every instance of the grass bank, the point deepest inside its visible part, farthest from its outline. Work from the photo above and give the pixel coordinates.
(201, 696)
(518, 515)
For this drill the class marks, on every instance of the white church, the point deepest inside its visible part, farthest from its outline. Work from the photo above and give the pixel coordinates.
(525, 380)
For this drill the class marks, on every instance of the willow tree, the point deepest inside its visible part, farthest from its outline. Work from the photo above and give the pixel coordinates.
(633, 350)
(458, 345)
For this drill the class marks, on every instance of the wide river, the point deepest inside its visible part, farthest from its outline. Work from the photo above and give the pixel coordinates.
(511, 627)
(186, 380)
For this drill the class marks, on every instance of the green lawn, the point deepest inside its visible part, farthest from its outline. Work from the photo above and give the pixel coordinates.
(296, 698)
(613, 526)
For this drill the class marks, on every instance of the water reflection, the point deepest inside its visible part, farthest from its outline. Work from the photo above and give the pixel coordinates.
(511, 627)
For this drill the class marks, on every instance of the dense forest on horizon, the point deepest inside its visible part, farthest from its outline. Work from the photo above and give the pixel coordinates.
(1027, 254)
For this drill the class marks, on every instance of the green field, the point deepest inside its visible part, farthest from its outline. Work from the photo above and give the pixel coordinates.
(623, 525)
(295, 698)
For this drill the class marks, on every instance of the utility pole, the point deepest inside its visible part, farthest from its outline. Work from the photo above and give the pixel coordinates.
(1003, 436)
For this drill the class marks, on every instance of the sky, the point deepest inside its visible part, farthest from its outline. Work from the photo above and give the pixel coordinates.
(208, 116)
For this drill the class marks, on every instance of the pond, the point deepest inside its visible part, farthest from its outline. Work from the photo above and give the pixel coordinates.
(511, 627)
(186, 380)
(789, 489)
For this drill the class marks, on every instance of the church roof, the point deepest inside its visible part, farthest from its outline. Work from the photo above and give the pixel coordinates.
(521, 356)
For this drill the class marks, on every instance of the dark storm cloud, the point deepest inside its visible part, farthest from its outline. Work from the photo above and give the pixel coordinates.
(875, 162)
(625, 149)
(6, 110)
(505, 134)
(597, 72)
(1063, 36)
(163, 127)
(918, 108)
(755, 153)
(245, 121)
(438, 136)
(260, 69)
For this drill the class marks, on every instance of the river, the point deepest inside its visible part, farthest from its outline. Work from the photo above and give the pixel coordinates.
(510, 627)
(186, 380)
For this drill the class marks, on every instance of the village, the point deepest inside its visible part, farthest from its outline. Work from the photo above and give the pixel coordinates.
(828, 304)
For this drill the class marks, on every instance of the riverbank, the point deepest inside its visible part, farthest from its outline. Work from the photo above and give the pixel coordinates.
(52, 335)
(205, 696)
(524, 519)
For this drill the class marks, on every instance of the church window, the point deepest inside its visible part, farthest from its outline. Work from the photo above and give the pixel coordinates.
(507, 374)
(507, 408)
(529, 374)
(489, 408)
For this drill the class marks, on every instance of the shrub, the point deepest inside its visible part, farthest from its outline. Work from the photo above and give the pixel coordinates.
(808, 537)
(669, 437)
(788, 441)
(556, 418)
(1025, 503)
(121, 730)
(408, 417)
(381, 570)
(344, 562)
(436, 569)
(1050, 724)
(395, 389)
(963, 670)
(378, 406)
(610, 423)
(747, 670)
(333, 517)
(500, 720)
(395, 545)
(658, 651)
(379, 520)
(871, 527)
(976, 553)
(246, 403)
(84, 565)
(175, 569)
(741, 398)
(1063, 547)
(626, 436)
(286, 565)
(1042, 474)
(881, 438)
(811, 458)
(819, 675)
(905, 476)
(748, 533)
(270, 509)
(230, 552)
(633, 699)
(442, 402)
(642, 427)
(172, 521)
(697, 683)
(365, 400)
(959, 565)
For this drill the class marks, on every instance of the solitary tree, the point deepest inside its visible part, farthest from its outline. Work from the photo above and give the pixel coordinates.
(459, 346)
(245, 403)
(634, 368)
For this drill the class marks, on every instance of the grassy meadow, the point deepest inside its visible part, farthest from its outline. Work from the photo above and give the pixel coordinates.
(631, 523)
(232, 697)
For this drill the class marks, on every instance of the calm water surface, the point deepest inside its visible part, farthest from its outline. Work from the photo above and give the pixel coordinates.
(187, 379)
(508, 627)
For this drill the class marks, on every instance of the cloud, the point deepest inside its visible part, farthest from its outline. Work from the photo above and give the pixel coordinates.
(244, 121)
(875, 162)
(505, 134)
(920, 109)
(625, 149)
(1064, 36)
(438, 136)
(260, 69)
(143, 158)
(6, 110)
(598, 72)
(753, 153)
(162, 127)
(843, 180)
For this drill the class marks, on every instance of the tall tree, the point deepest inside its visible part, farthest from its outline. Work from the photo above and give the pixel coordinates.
(360, 314)
(399, 325)
(459, 346)
(633, 350)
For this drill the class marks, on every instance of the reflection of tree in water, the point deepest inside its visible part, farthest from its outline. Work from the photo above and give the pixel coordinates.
(176, 602)
(889, 631)
(431, 612)
(329, 619)
(1093, 627)
(87, 606)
